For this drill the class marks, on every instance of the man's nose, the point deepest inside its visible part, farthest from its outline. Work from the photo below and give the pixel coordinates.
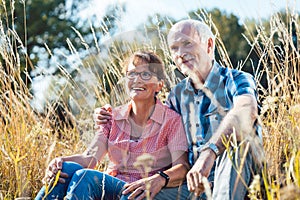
(180, 53)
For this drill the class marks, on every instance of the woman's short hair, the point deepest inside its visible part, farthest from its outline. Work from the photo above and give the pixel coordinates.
(155, 64)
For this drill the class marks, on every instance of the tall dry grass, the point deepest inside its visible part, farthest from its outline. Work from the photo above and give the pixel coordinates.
(279, 54)
(27, 140)
(30, 139)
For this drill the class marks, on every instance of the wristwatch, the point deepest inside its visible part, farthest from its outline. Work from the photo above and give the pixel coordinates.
(165, 176)
(211, 146)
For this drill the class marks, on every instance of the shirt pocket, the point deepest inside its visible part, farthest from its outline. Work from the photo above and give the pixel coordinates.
(213, 119)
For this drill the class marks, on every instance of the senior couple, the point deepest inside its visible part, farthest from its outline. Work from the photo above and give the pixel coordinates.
(185, 140)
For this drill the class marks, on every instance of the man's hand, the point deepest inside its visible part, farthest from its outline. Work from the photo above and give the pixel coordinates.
(138, 189)
(200, 171)
(102, 115)
(54, 166)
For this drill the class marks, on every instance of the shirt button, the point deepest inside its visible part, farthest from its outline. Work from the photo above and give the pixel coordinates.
(197, 125)
(197, 102)
(216, 118)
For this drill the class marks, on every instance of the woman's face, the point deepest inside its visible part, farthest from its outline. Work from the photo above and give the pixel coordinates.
(142, 84)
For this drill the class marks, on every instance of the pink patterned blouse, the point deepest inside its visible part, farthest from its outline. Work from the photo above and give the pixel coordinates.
(163, 134)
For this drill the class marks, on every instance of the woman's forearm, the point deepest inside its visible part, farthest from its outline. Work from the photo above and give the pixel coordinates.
(177, 175)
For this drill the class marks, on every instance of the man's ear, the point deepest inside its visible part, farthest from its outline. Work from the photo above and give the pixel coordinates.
(210, 45)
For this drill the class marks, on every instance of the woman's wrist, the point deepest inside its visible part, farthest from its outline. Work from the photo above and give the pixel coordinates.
(165, 177)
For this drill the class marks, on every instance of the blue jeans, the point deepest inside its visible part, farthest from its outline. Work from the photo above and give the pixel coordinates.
(84, 184)
(175, 193)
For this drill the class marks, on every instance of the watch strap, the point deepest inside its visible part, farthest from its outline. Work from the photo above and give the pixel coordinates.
(211, 146)
(165, 176)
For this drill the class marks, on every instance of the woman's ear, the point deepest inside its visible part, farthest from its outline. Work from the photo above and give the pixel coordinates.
(160, 86)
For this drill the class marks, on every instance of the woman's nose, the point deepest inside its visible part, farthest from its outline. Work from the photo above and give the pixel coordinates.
(137, 78)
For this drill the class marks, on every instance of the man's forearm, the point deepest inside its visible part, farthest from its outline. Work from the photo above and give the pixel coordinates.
(239, 120)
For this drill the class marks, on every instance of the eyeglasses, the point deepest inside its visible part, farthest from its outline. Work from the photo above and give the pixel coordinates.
(145, 75)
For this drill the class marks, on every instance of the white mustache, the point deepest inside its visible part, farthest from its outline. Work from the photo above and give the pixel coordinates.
(184, 58)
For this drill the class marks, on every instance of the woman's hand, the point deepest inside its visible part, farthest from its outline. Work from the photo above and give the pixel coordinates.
(54, 166)
(138, 189)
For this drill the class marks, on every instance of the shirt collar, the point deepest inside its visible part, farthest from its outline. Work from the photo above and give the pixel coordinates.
(122, 112)
(212, 80)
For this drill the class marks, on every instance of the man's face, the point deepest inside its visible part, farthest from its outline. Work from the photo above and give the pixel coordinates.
(188, 52)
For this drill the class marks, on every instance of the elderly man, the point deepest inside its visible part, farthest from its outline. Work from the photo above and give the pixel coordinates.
(219, 111)
(214, 103)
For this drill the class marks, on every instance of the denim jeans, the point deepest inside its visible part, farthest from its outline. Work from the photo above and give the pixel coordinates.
(91, 184)
(174, 193)
(84, 184)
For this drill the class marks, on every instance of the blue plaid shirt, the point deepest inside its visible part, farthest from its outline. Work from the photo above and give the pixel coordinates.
(225, 85)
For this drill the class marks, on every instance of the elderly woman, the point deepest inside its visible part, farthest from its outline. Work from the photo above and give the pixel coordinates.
(144, 126)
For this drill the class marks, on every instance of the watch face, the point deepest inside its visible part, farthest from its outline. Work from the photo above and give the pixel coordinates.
(213, 147)
(210, 146)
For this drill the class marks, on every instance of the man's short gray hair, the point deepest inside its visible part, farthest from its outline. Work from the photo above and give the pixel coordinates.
(202, 29)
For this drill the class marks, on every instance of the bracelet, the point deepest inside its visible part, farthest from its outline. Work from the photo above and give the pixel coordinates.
(165, 176)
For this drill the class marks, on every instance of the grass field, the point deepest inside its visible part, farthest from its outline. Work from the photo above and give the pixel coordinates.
(30, 139)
